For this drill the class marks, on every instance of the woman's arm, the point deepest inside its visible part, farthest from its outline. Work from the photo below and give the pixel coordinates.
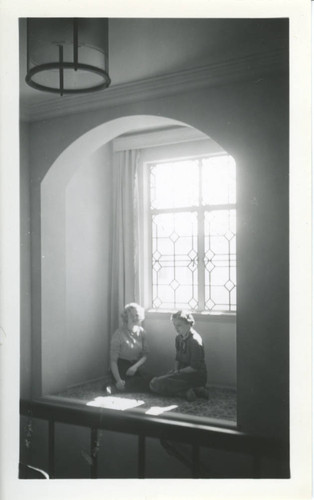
(115, 372)
(115, 347)
(133, 369)
(187, 369)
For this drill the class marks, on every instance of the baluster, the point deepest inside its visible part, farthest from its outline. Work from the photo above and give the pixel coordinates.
(195, 462)
(141, 457)
(94, 452)
(51, 448)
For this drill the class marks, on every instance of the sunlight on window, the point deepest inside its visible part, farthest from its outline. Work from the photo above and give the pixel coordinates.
(193, 222)
(174, 266)
(220, 260)
(175, 184)
(115, 403)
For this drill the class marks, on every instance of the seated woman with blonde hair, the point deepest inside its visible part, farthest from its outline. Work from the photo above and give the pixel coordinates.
(188, 379)
(128, 352)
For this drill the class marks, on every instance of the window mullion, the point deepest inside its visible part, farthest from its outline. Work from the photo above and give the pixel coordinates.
(201, 263)
(201, 246)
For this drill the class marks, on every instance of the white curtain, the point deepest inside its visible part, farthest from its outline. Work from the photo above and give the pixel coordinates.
(125, 234)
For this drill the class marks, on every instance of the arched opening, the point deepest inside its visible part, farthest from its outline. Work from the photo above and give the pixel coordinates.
(76, 250)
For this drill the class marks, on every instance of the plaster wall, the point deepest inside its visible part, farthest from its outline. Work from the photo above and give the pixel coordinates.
(25, 255)
(88, 205)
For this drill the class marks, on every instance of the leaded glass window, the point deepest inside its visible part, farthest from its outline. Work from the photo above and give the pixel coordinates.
(193, 224)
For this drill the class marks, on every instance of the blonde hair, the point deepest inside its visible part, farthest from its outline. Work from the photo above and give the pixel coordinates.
(185, 315)
(129, 307)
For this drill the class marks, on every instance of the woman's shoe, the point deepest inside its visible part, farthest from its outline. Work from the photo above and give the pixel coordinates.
(190, 395)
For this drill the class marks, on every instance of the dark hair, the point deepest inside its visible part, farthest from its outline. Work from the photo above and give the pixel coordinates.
(129, 307)
(185, 315)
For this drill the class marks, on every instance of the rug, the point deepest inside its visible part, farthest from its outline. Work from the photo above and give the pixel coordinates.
(220, 405)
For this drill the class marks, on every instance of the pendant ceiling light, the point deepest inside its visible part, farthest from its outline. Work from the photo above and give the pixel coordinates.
(66, 55)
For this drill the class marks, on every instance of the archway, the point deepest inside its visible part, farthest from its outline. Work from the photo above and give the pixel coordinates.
(56, 300)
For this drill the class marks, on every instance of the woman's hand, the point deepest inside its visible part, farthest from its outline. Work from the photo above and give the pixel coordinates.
(171, 372)
(131, 371)
(120, 385)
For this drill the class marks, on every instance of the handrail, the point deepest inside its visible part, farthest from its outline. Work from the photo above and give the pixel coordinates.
(172, 429)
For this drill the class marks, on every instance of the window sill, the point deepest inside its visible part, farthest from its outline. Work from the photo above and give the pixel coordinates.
(198, 316)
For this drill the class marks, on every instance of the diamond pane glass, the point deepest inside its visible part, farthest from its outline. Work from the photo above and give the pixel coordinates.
(218, 180)
(220, 260)
(174, 184)
(174, 279)
(183, 194)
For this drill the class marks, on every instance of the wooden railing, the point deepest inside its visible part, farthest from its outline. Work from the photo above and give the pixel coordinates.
(172, 429)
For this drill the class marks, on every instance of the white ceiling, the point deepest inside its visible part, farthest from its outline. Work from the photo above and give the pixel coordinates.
(143, 49)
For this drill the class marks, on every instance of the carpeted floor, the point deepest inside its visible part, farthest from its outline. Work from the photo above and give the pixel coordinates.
(221, 404)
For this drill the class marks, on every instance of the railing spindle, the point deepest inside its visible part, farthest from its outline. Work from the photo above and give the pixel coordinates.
(141, 457)
(196, 461)
(51, 448)
(94, 452)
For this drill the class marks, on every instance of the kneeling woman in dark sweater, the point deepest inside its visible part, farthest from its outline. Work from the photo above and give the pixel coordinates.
(188, 379)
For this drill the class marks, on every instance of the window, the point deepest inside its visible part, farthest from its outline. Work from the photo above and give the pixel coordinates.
(193, 233)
